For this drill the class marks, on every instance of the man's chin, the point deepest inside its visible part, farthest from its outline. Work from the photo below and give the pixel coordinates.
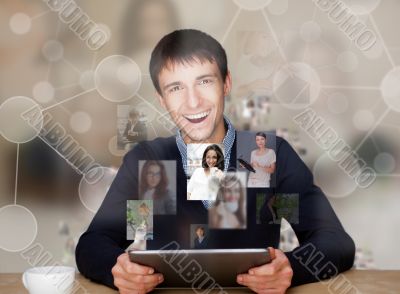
(198, 136)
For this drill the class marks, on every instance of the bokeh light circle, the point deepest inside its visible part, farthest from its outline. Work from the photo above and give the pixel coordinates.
(332, 179)
(18, 228)
(21, 119)
(117, 78)
(94, 186)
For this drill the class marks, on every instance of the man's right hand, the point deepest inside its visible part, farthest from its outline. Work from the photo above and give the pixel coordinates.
(132, 278)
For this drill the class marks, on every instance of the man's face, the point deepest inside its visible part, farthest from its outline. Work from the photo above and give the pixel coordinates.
(193, 93)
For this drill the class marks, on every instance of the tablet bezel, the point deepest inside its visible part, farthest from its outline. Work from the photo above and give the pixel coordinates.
(237, 261)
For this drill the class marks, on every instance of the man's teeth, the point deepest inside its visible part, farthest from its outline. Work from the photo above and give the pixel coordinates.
(198, 116)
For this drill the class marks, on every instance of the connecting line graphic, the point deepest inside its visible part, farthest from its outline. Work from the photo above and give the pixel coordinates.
(228, 30)
(148, 103)
(388, 175)
(16, 176)
(306, 48)
(50, 66)
(350, 87)
(375, 145)
(154, 130)
(62, 156)
(40, 14)
(68, 99)
(385, 48)
(72, 66)
(275, 37)
(94, 58)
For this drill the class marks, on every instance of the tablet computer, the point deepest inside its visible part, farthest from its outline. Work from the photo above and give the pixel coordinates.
(206, 268)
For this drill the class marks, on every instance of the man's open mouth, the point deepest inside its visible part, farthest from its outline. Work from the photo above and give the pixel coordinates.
(197, 118)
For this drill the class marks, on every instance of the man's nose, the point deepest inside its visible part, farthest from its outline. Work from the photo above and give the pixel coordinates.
(193, 98)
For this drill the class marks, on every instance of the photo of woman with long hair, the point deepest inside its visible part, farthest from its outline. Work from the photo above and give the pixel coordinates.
(154, 186)
(229, 210)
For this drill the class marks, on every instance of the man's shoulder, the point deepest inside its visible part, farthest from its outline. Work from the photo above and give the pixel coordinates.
(161, 148)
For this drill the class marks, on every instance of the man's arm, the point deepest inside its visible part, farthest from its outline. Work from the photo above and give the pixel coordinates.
(318, 226)
(105, 239)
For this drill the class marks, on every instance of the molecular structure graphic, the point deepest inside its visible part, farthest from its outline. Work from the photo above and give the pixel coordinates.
(118, 79)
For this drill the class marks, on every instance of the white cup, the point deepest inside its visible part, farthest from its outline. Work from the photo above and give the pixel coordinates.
(49, 280)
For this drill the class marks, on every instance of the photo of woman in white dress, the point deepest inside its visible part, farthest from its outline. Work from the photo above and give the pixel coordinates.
(204, 183)
(263, 161)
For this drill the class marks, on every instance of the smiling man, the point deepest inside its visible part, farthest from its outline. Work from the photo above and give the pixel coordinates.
(190, 74)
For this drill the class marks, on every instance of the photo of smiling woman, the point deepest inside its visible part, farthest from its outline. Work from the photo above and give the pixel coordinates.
(154, 186)
(229, 211)
(205, 181)
(263, 161)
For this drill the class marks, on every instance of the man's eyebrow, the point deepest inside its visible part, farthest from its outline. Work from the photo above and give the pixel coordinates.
(206, 76)
(197, 79)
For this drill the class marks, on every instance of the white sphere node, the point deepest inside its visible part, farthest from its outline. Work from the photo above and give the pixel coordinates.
(53, 50)
(80, 122)
(362, 7)
(21, 119)
(94, 186)
(310, 31)
(278, 7)
(390, 89)
(384, 163)
(20, 23)
(332, 179)
(363, 119)
(43, 92)
(18, 228)
(117, 78)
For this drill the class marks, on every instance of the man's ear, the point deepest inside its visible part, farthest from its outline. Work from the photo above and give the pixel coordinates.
(228, 84)
(161, 100)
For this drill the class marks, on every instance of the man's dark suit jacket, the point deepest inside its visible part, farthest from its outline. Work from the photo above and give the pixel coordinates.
(105, 239)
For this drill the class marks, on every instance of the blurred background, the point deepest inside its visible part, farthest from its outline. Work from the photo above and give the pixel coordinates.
(357, 92)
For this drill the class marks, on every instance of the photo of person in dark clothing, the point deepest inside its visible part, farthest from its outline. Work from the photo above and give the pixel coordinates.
(201, 239)
(135, 130)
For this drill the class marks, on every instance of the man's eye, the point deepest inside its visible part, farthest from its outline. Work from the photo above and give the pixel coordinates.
(174, 89)
(205, 81)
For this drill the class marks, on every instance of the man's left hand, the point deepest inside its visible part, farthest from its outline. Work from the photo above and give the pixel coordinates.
(271, 278)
